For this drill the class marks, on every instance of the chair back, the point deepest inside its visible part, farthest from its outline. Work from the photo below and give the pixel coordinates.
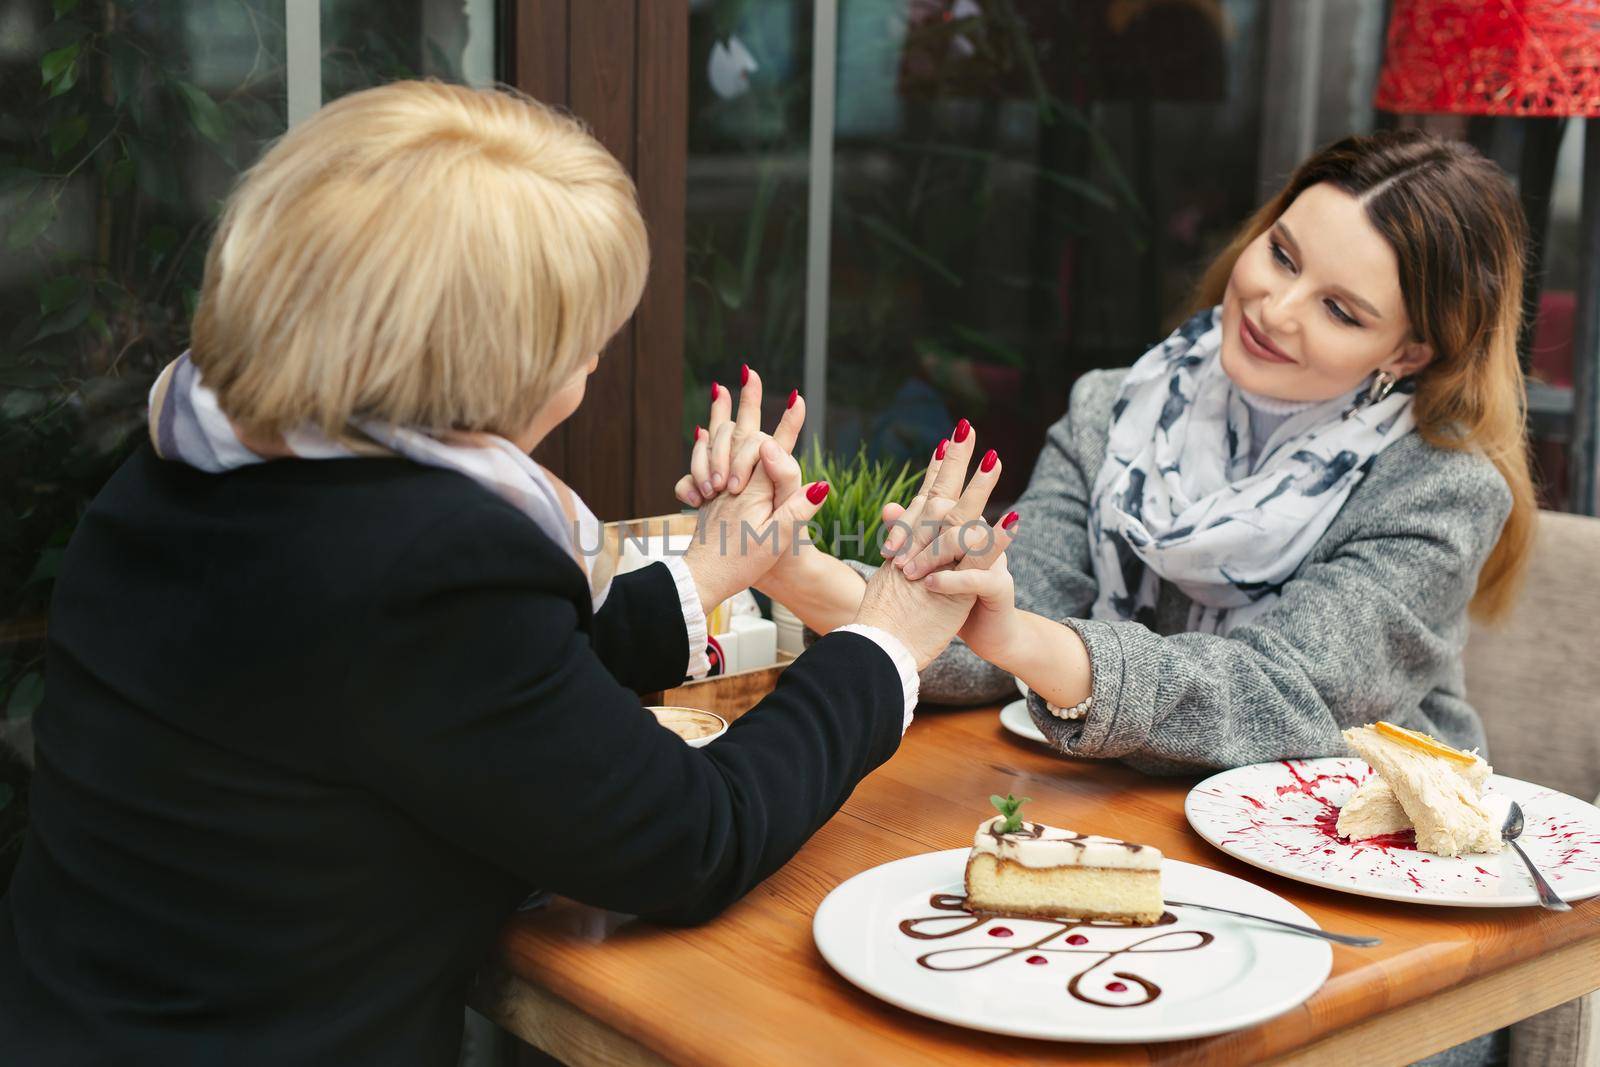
(1535, 676)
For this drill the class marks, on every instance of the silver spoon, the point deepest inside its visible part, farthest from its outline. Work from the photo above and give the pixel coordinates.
(1511, 830)
(1312, 931)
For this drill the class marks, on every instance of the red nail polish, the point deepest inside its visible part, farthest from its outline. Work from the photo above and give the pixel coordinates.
(989, 458)
(938, 453)
(697, 432)
(962, 429)
(817, 492)
(1009, 521)
(744, 375)
(714, 388)
(794, 394)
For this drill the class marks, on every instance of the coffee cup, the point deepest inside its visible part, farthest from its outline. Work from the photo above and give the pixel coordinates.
(697, 728)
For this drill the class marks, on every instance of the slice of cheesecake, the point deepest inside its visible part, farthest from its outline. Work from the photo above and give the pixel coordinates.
(1372, 811)
(1033, 871)
(1439, 788)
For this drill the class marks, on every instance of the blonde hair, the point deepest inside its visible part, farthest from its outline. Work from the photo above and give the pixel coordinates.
(421, 254)
(1458, 232)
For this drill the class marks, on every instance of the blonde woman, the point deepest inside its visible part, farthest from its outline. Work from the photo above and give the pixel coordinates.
(1276, 524)
(334, 681)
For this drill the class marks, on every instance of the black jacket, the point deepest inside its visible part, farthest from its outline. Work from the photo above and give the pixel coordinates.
(313, 729)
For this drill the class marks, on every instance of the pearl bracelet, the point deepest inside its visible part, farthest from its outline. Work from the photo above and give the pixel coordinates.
(1077, 711)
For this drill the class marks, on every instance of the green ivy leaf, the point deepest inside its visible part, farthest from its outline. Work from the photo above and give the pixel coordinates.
(26, 696)
(21, 403)
(56, 293)
(30, 223)
(119, 176)
(53, 65)
(68, 79)
(67, 134)
(204, 112)
(68, 318)
(125, 71)
(65, 7)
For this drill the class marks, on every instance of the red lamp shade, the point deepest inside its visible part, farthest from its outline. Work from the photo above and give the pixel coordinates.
(1492, 57)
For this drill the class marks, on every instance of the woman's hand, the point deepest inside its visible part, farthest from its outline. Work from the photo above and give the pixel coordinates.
(741, 537)
(941, 510)
(727, 450)
(994, 629)
(918, 613)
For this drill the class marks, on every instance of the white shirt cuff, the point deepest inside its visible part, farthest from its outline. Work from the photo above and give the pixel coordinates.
(694, 616)
(909, 681)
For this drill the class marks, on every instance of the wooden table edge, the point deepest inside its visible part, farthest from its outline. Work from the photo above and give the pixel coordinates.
(1400, 1036)
(1460, 1012)
(553, 1025)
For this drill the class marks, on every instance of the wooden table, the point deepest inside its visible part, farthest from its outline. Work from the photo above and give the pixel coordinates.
(751, 988)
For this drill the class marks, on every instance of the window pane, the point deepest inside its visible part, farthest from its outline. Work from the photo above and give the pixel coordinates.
(369, 42)
(745, 233)
(1023, 191)
(125, 124)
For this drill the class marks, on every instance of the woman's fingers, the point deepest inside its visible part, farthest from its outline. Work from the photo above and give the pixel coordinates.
(900, 526)
(781, 468)
(980, 573)
(799, 508)
(721, 408)
(979, 582)
(933, 467)
(1004, 534)
(700, 464)
(964, 530)
(944, 490)
(794, 417)
(721, 448)
(749, 417)
(952, 472)
(686, 492)
(746, 454)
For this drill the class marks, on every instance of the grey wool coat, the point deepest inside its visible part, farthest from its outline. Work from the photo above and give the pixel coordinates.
(1370, 627)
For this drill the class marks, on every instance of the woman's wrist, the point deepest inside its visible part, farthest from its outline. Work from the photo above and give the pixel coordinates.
(823, 591)
(710, 574)
(1049, 657)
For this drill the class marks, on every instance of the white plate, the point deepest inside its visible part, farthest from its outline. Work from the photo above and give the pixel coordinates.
(1014, 717)
(1201, 974)
(1280, 816)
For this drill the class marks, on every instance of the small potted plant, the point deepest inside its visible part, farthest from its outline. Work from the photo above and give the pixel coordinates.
(849, 525)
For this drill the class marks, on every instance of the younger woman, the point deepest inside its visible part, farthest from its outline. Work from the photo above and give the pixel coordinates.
(1274, 525)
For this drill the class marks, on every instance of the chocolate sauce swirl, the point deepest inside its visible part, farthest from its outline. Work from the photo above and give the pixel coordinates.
(1060, 940)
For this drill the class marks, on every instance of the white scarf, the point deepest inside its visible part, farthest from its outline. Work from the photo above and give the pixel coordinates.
(188, 425)
(1181, 498)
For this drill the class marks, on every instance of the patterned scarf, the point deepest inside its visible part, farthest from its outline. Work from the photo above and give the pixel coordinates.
(187, 425)
(1181, 498)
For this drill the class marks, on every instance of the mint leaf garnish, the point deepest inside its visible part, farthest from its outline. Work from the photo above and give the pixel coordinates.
(1011, 808)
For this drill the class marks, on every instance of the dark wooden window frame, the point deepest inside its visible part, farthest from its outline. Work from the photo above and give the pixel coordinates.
(622, 67)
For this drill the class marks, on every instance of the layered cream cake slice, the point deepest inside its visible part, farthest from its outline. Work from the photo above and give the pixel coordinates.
(1031, 871)
(1372, 811)
(1439, 790)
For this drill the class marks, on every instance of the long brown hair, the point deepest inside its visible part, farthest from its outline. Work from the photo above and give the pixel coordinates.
(1459, 234)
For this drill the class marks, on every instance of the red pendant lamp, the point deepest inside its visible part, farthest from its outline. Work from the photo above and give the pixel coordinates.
(1492, 57)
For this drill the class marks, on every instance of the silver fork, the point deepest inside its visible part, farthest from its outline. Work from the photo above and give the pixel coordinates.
(1310, 931)
(1511, 830)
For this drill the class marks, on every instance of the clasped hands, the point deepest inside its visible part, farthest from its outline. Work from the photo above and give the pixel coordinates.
(946, 568)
